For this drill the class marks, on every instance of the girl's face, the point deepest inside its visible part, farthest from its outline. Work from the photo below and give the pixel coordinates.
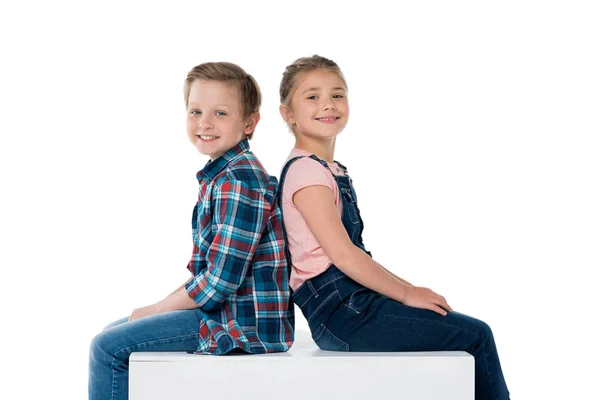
(319, 106)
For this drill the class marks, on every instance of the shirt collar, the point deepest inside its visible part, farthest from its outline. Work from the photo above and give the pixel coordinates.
(213, 167)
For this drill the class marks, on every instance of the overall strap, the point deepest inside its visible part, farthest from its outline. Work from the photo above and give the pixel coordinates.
(284, 172)
(325, 164)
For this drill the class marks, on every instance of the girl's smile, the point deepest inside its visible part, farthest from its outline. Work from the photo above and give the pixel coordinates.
(328, 119)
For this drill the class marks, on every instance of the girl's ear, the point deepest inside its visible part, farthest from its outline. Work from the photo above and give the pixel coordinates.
(286, 114)
(251, 123)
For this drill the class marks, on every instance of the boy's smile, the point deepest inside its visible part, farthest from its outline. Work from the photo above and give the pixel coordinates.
(207, 138)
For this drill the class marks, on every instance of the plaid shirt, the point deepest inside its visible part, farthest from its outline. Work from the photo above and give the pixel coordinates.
(241, 277)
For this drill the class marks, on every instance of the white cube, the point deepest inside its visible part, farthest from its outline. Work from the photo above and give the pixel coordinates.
(303, 373)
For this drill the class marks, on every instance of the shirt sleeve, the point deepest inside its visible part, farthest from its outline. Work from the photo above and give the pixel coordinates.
(303, 173)
(239, 217)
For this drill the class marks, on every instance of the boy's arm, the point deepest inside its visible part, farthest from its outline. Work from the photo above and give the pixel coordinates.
(239, 218)
(177, 300)
(182, 286)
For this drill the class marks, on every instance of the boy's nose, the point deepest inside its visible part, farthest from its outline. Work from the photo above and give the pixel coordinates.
(329, 106)
(204, 124)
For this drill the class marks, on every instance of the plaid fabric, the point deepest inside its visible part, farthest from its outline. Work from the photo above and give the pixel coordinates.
(241, 277)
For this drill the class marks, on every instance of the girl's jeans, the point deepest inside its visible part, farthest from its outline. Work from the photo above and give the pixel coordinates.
(345, 316)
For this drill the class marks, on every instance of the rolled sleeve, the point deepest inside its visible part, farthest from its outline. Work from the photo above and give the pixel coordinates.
(240, 215)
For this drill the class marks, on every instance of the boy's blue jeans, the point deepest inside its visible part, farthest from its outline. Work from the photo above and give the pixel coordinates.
(110, 349)
(345, 316)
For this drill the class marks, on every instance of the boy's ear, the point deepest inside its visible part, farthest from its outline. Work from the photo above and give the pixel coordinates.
(286, 114)
(251, 123)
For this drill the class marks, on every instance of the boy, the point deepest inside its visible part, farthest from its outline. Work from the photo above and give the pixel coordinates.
(238, 297)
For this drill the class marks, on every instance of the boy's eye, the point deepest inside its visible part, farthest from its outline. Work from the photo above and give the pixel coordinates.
(195, 112)
(313, 97)
(220, 113)
(338, 96)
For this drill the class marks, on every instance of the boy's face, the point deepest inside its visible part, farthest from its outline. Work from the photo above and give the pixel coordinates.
(214, 119)
(319, 106)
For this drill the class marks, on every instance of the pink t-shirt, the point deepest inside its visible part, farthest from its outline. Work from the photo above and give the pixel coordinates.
(308, 257)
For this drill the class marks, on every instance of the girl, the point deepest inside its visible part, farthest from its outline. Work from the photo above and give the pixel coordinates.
(351, 302)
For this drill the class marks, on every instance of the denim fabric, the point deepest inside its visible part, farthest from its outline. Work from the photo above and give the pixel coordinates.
(111, 348)
(345, 316)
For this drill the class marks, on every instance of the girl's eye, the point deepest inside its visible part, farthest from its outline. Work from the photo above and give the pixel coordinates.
(338, 96)
(220, 113)
(313, 97)
(195, 112)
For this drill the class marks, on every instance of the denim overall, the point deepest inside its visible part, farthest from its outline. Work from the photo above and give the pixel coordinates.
(346, 316)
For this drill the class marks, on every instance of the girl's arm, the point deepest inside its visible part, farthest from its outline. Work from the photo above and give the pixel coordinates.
(407, 283)
(317, 206)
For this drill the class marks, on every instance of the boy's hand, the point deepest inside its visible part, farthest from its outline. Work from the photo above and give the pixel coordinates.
(143, 312)
(421, 297)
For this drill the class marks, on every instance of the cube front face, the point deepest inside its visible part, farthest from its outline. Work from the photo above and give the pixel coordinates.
(428, 377)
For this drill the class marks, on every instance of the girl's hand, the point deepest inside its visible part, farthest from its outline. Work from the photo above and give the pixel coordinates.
(421, 297)
(143, 312)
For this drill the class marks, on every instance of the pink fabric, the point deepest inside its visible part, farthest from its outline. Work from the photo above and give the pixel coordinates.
(308, 257)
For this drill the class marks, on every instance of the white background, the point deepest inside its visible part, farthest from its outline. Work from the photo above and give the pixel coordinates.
(473, 143)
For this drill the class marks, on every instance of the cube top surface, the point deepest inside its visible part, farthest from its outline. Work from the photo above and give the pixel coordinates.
(302, 349)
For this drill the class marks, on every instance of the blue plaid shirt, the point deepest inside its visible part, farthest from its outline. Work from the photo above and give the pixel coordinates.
(241, 277)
